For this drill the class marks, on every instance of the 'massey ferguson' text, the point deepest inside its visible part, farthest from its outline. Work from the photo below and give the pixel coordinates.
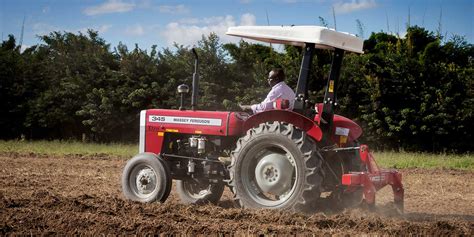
(185, 120)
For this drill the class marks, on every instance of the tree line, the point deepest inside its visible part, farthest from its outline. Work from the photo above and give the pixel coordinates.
(411, 93)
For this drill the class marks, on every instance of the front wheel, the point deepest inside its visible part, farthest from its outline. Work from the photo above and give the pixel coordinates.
(195, 192)
(276, 166)
(146, 178)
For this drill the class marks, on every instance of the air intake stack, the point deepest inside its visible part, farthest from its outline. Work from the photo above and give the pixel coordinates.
(195, 90)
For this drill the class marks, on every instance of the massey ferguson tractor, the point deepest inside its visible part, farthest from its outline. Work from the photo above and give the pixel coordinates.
(277, 159)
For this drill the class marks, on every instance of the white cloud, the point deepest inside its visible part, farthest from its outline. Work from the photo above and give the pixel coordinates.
(189, 21)
(41, 28)
(189, 31)
(353, 5)
(177, 9)
(135, 30)
(101, 29)
(111, 6)
(247, 19)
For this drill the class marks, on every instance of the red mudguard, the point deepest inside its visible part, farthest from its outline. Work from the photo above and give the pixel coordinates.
(287, 116)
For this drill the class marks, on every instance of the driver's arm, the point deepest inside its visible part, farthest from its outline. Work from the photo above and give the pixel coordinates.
(266, 104)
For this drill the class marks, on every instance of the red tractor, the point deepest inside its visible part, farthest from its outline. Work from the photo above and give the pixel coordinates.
(277, 159)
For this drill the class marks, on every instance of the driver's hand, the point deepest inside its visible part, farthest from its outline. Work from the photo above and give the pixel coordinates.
(245, 107)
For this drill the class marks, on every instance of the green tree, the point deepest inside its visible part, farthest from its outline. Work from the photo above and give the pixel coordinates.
(72, 65)
(11, 89)
(411, 93)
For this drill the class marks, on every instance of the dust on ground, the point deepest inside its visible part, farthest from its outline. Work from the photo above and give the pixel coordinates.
(82, 195)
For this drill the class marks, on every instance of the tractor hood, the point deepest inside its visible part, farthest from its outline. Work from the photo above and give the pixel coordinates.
(322, 37)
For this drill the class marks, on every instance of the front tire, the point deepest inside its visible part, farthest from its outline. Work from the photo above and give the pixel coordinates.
(146, 178)
(276, 166)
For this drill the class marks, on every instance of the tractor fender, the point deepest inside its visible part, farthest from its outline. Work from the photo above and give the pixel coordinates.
(300, 121)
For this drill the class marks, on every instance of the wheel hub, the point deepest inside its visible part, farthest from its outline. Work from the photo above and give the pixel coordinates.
(270, 173)
(274, 174)
(146, 181)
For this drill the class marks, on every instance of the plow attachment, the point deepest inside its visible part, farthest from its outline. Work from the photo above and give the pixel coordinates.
(375, 179)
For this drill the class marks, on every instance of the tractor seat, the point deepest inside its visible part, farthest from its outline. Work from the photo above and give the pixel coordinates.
(281, 104)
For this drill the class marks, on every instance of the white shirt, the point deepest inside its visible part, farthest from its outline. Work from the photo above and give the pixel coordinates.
(280, 90)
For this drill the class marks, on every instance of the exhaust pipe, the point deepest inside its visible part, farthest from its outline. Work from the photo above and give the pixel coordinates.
(195, 90)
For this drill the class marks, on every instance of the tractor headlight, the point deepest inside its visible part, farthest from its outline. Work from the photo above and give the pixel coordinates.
(141, 146)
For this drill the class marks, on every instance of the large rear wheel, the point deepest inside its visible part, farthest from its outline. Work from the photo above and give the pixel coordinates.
(276, 166)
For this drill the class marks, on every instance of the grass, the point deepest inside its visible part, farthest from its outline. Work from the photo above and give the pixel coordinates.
(384, 159)
(68, 147)
(424, 160)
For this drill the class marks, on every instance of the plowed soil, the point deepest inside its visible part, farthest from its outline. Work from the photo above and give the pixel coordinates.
(82, 195)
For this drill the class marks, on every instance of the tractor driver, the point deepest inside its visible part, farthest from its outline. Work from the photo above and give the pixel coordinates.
(280, 90)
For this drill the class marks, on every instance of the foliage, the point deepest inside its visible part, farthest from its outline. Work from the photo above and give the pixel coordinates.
(412, 93)
(11, 89)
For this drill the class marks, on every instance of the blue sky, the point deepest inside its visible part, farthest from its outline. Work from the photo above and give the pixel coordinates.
(149, 22)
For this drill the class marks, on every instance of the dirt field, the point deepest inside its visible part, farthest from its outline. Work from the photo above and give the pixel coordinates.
(82, 195)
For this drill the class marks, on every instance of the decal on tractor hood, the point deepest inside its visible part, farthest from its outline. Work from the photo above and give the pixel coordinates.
(342, 131)
(185, 120)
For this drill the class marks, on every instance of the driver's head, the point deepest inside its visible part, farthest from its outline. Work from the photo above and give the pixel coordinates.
(275, 76)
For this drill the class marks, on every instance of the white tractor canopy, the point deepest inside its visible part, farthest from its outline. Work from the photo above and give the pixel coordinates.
(322, 37)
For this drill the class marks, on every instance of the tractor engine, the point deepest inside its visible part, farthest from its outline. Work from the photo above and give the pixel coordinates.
(195, 144)
(196, 157)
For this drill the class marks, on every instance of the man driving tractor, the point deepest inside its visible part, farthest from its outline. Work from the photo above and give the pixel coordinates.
(280, 90)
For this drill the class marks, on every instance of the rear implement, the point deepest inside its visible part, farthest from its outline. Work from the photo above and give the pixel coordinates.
(375, 179)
